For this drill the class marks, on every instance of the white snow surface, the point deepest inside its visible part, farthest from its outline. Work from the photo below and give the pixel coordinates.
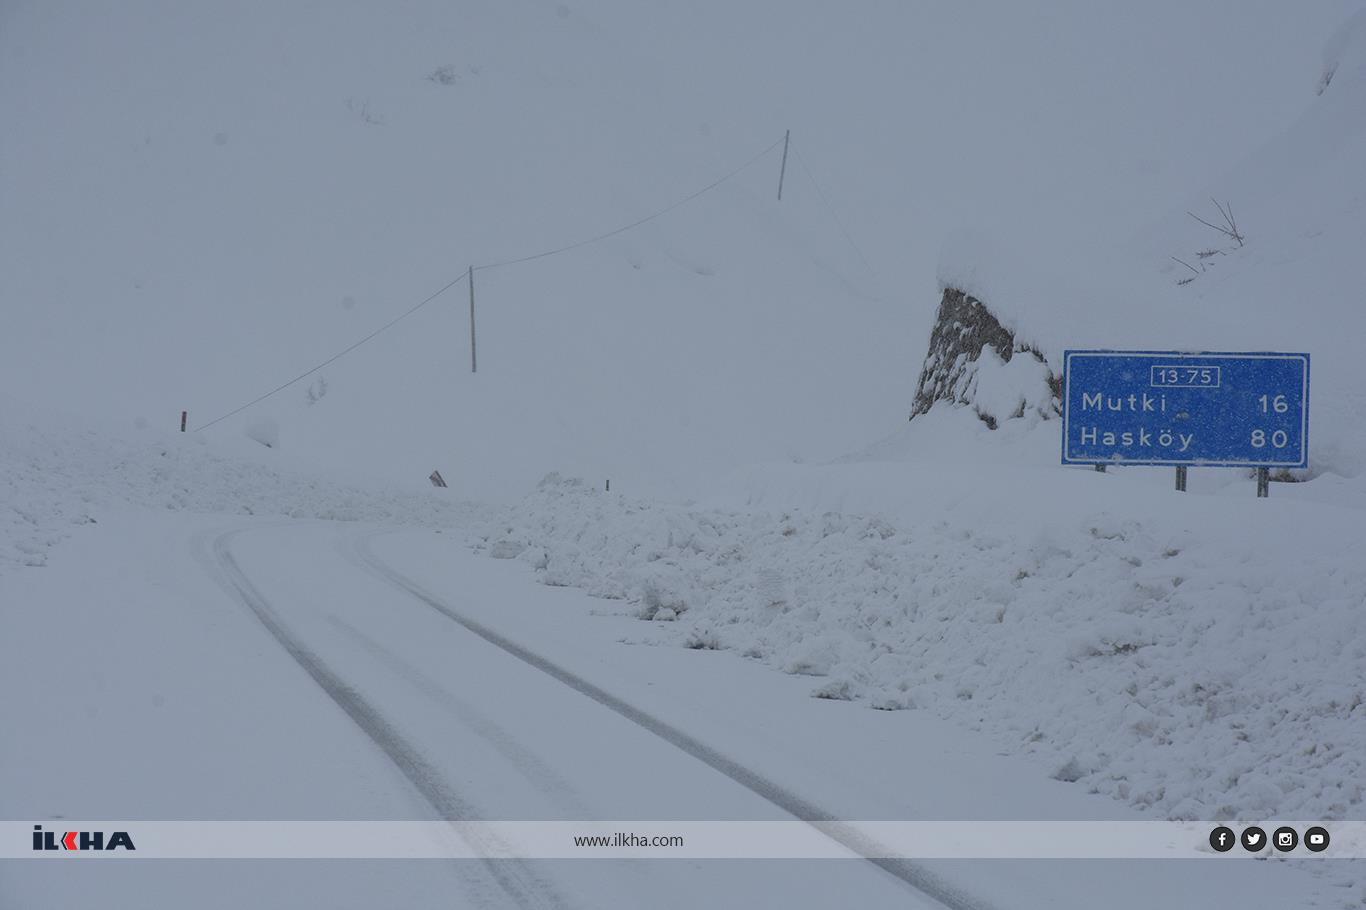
(1197, 659)
(203, 203)
(1346, 47)
(1184, 653)
(1294, 284)
(59, 473)
(200, 204)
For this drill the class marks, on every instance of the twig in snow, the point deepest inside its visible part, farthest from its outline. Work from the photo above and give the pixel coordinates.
(1229, 228)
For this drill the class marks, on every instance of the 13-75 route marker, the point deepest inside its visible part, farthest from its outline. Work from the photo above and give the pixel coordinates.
(1208, 409)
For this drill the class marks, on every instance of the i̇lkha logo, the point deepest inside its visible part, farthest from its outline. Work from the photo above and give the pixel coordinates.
(80, 840)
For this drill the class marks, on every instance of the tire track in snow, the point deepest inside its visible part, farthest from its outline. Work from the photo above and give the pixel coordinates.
(526, 890)
(916, 875)
(533, 770)
(539, 775)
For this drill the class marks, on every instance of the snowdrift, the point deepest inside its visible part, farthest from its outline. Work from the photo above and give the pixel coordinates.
(58, 474)
(1190, 658)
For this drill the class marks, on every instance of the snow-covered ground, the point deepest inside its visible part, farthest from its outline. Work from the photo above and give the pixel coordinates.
(254, 620)
(378, 706)
(61, 473)
(1197, 655)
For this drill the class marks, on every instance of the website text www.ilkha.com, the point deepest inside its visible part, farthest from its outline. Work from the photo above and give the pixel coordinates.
(620, 839)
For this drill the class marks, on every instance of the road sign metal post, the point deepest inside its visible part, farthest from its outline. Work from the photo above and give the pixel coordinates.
(1263, 483)
(1212, 409)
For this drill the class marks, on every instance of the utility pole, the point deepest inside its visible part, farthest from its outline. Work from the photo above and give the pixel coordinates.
(474, 362)
(787, 138)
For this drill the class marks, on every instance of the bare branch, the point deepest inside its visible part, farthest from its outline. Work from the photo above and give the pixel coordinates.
(1231, 226)
(1237, 235)
(1207, 224)
(1188, 265)
(1229, 229)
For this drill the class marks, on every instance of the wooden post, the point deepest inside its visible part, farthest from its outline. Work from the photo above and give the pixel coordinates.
(474, 362)
(1263, 483)
(184, 416)
(1181, 478)
(609, 485)
(782, 172)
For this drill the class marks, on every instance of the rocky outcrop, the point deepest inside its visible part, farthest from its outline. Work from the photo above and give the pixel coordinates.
(964, 331)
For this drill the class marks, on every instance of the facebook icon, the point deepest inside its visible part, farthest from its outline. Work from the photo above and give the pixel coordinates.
(1221, 839)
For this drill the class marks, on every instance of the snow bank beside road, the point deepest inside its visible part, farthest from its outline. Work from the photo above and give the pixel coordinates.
(1169, 664)
(56, 475)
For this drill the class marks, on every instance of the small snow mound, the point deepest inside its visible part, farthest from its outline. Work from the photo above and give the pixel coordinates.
(1071, 771)
(896, 702)
(663, 595)
(506, 549)
(703, 640)
(835, 690)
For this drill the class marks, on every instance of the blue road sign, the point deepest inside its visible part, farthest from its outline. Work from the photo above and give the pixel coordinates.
(1170, 408)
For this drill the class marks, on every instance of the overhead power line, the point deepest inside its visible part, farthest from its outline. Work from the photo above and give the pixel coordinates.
(337, 356)
(634, 224)
(831, 209)
(468, 274)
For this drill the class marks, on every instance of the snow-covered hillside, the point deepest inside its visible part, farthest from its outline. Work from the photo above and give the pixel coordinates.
(200, 204)
(1290, 281)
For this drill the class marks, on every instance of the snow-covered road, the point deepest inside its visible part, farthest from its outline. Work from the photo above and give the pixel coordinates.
(375, 706)
(484, 728)
(322, 670)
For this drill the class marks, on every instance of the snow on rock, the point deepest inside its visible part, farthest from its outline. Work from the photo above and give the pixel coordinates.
(974, 360)
(1168, 666)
